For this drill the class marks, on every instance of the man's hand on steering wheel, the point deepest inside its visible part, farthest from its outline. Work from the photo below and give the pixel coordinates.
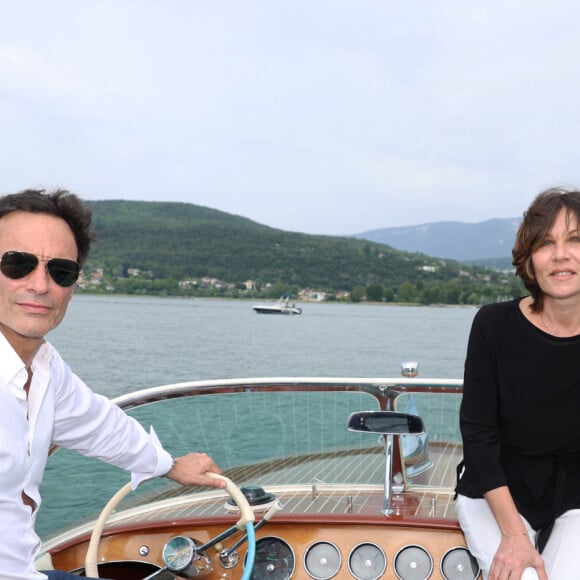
(191, 469)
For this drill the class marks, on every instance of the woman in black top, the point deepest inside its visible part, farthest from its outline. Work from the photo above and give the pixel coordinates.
(519, 484)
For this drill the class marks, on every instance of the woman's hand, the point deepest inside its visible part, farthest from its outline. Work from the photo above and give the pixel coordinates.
(514, 555)
(516, 551)
(191, 469)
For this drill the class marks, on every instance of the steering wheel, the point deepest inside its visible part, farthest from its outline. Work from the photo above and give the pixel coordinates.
(246, 517)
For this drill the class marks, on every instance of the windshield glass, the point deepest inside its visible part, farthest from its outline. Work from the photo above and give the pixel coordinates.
(263, 438)
(266, 437)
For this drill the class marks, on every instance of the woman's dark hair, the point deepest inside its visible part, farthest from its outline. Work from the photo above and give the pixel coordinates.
(59, 203)
(535, 227)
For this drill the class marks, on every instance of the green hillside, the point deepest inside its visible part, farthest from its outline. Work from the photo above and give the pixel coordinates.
(180, 241)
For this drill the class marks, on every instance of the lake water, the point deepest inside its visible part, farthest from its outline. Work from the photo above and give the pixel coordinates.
(120, 344)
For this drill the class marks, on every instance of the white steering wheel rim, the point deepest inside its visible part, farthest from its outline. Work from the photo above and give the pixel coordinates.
(91, 568)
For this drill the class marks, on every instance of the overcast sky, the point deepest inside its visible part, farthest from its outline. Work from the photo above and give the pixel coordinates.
(318, 116)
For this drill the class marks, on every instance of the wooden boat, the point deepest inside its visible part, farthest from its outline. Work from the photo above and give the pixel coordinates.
(347, 478)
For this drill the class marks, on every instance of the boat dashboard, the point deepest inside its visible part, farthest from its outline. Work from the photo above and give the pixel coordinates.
(290, 548)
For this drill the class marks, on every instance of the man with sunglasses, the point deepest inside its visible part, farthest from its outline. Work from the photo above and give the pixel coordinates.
(44, 241)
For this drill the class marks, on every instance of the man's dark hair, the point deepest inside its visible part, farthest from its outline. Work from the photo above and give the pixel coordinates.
(59, 203)
(534, 229)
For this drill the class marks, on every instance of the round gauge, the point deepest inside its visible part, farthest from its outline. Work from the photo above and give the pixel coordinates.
(322, 561)
(459, 564)
(178, 553)
(413, 563)
(367, 562)
(274, 560)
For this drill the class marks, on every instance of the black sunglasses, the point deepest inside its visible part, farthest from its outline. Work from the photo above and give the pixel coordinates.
(15, 265)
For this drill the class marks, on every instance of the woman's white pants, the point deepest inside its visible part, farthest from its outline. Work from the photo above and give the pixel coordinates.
(561, 554)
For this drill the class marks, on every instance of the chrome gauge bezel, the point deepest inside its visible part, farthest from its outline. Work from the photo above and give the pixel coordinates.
(283, 541)
(422, 549)
(358, 547)
(187, 548)
(463, 549)
(314, 545)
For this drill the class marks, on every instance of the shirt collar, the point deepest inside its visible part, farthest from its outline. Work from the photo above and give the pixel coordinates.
(12, 368)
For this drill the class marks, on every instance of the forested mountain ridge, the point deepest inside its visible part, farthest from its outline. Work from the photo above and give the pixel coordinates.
(179, 241)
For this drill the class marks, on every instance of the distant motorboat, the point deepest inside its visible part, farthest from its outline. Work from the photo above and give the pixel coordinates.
(283, 307)
(277, 309)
